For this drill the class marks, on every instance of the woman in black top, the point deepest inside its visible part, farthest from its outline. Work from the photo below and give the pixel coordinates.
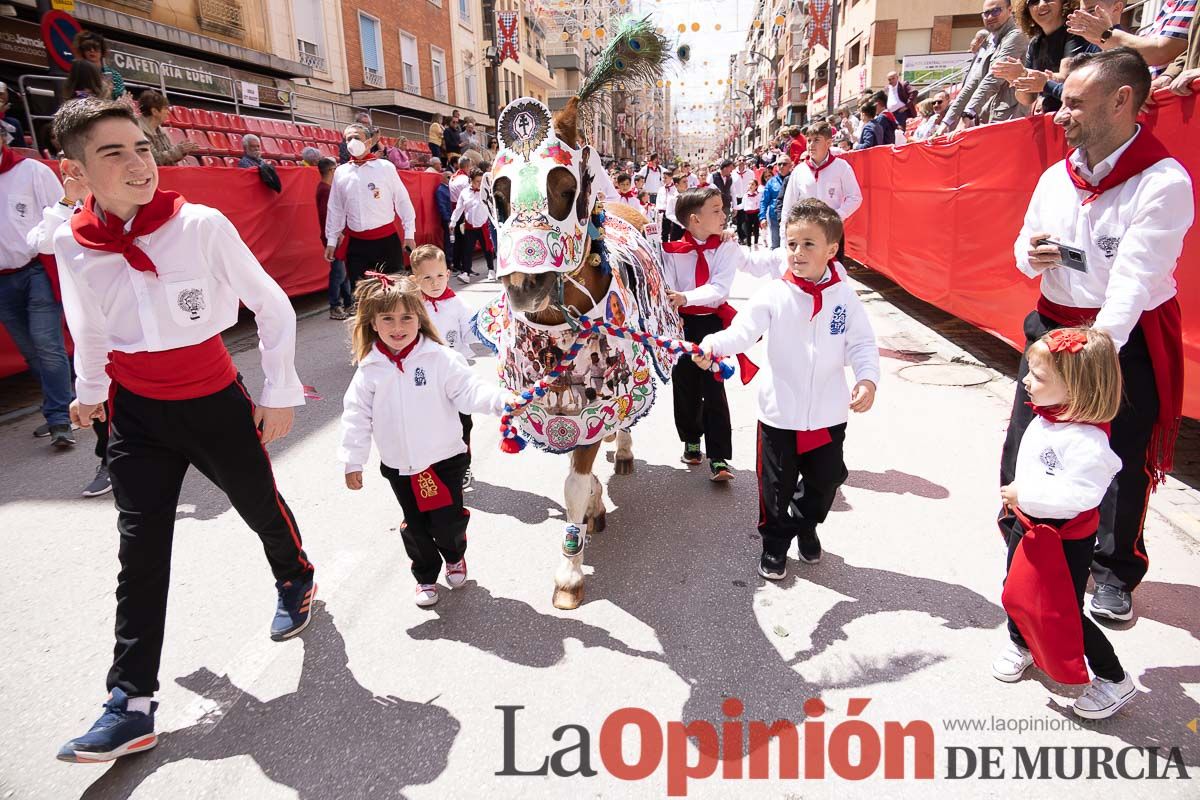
(1050, 46)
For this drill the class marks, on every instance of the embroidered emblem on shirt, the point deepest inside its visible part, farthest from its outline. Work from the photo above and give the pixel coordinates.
(1108, 245)
(192, 301)
(1050, 459)
(418, 377)
(374, 190)
(837, 325)
(21, 208)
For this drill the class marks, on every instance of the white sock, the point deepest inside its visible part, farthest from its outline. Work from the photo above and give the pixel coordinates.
(141, 704)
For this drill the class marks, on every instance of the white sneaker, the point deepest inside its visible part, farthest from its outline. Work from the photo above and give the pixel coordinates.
(426, 594)
(456, 574)
(491, 275)
(1101, 699)
(464, 277)
(1012, 662)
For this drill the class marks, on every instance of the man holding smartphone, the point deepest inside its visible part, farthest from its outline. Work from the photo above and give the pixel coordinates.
(1104, 231)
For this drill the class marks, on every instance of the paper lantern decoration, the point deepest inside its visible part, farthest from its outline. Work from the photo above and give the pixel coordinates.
(757, 23)
(717, 26)
(682, 27)
(566, 37)
(779, 20)
(586, 33)
(600, 32)
(695, 26)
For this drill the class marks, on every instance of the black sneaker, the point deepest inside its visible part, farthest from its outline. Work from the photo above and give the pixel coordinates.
(721, 471)
(809, 545)
(294, 609)
(42, 431)
(117, 733)
(101, 484)
(61, 437)
(1112, 602)
(772, 568)
(468, 479)
(691, 454)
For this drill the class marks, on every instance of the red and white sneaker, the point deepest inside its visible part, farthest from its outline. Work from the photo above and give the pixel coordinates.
(456, 574)
(427, 595)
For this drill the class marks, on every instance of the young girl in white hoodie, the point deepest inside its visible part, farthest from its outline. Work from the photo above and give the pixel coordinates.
(1065, 466)
(407, 394)
(815, 326)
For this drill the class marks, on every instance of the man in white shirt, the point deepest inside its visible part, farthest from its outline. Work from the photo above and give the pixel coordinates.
(473, 212)
(1117, 212)
(653, 175)
(29, 309)
(149, 283)
(367, 198)
(740, 181)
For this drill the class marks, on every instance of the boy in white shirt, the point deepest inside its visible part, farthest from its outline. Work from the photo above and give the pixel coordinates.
(803, 401)
(672, 230)
(823, 176)
(476, 228)
(149, 282)
(626, 193)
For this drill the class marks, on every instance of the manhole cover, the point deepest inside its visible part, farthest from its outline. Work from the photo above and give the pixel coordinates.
(945, 374)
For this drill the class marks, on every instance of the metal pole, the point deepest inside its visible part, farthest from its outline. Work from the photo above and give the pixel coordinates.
(830, 100)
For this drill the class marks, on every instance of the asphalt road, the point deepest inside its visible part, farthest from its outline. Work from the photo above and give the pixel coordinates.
(379, 698)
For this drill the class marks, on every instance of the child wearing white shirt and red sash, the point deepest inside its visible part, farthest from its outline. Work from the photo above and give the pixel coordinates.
(149, 282)
(1064, 467)
(407, 395)
(803, 401)
(471, 209)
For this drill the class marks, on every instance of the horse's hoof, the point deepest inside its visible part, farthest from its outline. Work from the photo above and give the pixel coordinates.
(598, 523)
(623, 466)
(568, 599)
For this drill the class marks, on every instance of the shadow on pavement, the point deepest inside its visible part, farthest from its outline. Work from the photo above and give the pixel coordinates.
(330, 738)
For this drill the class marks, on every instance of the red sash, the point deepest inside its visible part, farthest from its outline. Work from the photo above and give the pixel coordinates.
(487, 236)
(110, 235)
(811, 440)
(382, 232)
(429, 491)
(1163, 328)
(1143, 152)
(183, 373)
(1039, 595)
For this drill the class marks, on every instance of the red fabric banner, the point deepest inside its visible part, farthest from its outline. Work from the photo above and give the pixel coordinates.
(281, 229)
(940, 218)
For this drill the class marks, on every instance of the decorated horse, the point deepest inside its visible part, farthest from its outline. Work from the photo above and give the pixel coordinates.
(580, 279)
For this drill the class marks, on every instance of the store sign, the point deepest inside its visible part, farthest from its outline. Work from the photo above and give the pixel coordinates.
(935, 67)
(143, 65)
(21, 43)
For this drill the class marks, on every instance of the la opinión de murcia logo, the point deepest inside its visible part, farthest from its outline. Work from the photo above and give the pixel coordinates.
(816, 749)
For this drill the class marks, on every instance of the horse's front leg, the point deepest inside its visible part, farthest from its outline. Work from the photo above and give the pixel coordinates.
(579, 488)
(623, 462)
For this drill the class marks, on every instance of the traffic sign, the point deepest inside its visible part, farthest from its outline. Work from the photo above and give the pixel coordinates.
(58, 32)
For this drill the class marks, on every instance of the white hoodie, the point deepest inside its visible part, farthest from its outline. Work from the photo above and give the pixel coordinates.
(803, 386)
(412, 415)
(452, 319)
(1063, 469)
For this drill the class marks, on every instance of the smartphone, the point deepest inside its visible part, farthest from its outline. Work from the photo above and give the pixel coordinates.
(1070, 257)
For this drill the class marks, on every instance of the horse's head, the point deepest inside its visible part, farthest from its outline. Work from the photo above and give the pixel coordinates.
(540, 195)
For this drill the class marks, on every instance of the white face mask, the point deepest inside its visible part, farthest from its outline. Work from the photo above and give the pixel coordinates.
(356, 148)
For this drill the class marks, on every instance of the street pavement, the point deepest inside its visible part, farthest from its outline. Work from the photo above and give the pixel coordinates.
(381, 699)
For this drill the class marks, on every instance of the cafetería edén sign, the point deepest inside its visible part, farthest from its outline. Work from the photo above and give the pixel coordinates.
(145, 66)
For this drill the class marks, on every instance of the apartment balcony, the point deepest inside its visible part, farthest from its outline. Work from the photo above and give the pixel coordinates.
(316, 62)
(564, 56)
(557, 98)
(221, 16)
(372, 78)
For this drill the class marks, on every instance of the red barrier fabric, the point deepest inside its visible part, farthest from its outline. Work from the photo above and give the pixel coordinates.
(281, 229)
(940, 218)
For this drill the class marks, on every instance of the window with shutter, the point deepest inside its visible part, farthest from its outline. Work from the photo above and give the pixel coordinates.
(437, 58)
(372, 50)
(408, 57)
(310, 33)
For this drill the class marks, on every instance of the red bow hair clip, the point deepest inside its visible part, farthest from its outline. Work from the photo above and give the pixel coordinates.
(1068, 341)
(385, 280)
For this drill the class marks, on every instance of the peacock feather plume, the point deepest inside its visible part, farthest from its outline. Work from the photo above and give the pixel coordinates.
(636, 55)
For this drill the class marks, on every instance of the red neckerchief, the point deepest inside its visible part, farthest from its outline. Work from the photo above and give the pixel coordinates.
(688, 244)
(397, 358)
(814, 290)
(460, 172)
(816, 171)
(446, 295)
(628, 195)
(363, 159)
(1051, 414)
(891, 116)
(9, 158)
(110, 235)
(1143, 152)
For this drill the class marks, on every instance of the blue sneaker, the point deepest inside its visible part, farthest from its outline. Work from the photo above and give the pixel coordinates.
(117, 733)
(294, 609)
